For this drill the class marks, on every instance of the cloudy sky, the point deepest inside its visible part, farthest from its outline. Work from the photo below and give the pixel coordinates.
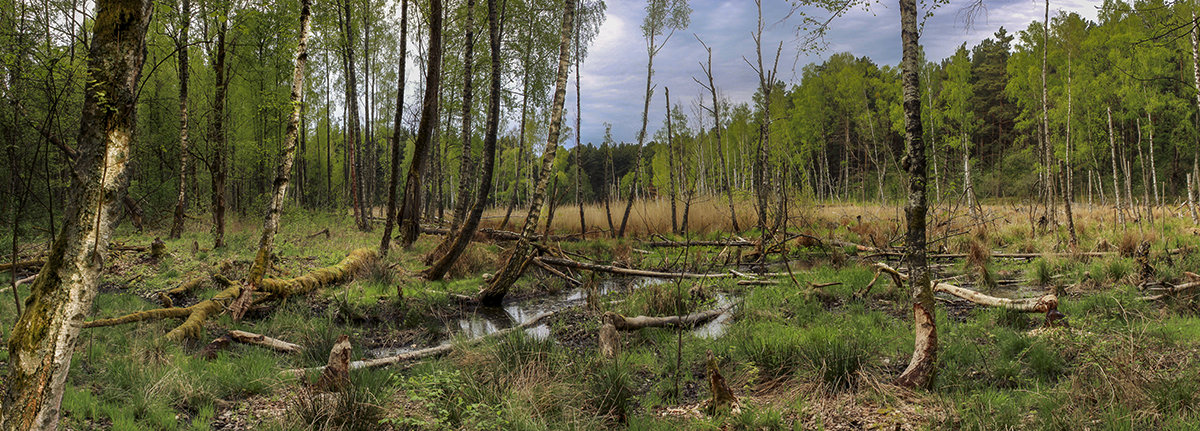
(614, 79)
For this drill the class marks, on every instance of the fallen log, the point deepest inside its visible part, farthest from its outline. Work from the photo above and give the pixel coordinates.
(423, 353)
(538, 261)
(627, 271)
(264, 341)
(22, 264)
(623, 323)
(1172, 290)
(757, 282)
(197, 314)
(731, 243)
(319, 233)
(1042, 304)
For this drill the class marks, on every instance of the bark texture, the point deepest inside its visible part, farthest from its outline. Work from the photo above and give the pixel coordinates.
(919, 372)
(397, 145)
(518, 259)
(43, 339)
(181, 45)
(410, 208)
(460, 240)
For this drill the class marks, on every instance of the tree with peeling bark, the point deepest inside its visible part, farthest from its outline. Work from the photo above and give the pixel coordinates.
(410, 207)
(43, 340)
(181, 45)
(521, 254)
(662, 16)
(283, 172)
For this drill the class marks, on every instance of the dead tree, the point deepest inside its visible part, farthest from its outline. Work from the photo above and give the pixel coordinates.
(410, 208)
(43, 340)
(217, 137)
(716, 112)
(519, 257)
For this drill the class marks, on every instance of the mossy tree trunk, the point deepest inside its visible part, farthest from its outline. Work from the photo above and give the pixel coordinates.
(43, 340)
(520, 256)
(463, 236)
(410, 209)
(924, 359)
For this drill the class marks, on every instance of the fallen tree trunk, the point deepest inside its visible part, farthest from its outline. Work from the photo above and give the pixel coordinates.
(1042, 304)
(423, 353)
(623, 323)
(22, 264)
(568, 263)
(264, 341)
(197, 314)
(733, 243)
(538, 261)
(1172, 290)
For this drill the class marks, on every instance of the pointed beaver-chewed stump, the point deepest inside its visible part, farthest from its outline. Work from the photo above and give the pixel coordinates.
(921, 367)
(610, 341)
(158, 249)
(722, 400)
(336, 375)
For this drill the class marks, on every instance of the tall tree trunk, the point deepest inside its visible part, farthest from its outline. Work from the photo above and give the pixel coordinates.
(1068, 178)
(921, 367)
(1196, 74)
(525, 66)
(182, 46)
(466, 171)
(716, 111)
(354, 141)
(217, 137)
(1112, 147)
(397, 144)
(671, 162)
(43, 340)
(410, 208)
(766, 81)
(266, 242)
(1153, 167)
(612, 231)
(467, 231)
(651, 49)
(521, 254)
(1145, 175)
(578, 137)
(1048, 148)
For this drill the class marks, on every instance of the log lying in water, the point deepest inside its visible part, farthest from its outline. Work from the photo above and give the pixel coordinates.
(1042, 304)
(423, 353)
(628, 271)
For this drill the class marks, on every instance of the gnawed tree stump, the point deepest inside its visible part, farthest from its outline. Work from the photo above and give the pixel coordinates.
(610, 341)
(264, 341)
(336, 374)
(722, 400)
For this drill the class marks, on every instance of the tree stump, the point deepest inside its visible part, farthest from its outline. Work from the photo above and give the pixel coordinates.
(610, 341)
(336, 375)
(722, 400)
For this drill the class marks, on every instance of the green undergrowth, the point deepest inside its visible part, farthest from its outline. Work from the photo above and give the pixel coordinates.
(797, 356)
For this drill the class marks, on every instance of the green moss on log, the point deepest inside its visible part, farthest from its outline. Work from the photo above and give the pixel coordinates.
(344, 270)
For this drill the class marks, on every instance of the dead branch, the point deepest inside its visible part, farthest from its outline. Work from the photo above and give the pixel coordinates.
(538, 261)
(627, 271)
(1172, 290)
(22, 264)
(623, 323)
(264, 341)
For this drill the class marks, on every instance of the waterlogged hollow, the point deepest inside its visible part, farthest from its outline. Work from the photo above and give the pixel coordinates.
(485, 321)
